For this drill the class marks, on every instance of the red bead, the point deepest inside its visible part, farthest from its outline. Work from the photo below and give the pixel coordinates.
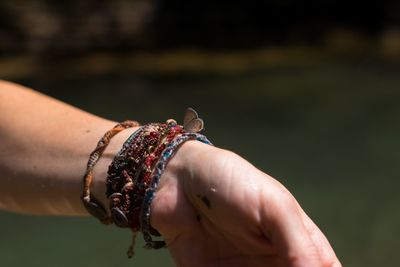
(146, 177)
(148, 161)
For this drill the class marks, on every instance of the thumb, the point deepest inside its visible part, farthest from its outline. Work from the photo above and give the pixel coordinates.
(283, 224)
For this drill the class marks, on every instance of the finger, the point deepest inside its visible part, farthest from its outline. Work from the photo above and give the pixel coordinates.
(325, 250)
(320, 241)
(283, 223)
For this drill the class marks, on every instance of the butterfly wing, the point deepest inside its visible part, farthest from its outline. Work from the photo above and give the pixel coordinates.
(194, 126)
(190, 114)
(192, 122)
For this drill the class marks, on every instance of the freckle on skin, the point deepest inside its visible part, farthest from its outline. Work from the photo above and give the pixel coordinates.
(198, 218)
(206, 201)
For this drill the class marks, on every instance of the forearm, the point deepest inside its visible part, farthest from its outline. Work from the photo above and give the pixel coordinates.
(44, 147)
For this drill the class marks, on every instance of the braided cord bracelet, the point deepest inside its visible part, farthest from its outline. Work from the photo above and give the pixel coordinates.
(92, 205)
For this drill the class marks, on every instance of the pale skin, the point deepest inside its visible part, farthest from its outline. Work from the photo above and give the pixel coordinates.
(212, 207)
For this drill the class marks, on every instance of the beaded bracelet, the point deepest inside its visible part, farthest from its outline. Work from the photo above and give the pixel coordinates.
(130, 172)
(142, 183)
(92, 205)
(130, 157)
(144, 174)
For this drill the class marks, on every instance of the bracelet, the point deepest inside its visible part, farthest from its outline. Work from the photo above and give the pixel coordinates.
(135, 172)
(92, 205)
(128, 174)
(128, 160)
(151, 192)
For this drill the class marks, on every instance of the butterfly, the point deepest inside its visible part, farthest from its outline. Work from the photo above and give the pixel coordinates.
(191, 121)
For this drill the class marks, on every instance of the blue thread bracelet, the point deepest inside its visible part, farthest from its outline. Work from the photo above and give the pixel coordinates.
(159, 168)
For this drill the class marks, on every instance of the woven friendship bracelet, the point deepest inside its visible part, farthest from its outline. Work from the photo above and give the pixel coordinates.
(151, 191)
(141, 185)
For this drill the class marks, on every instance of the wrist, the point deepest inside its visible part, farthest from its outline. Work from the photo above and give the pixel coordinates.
(185, 163)
(182, 168)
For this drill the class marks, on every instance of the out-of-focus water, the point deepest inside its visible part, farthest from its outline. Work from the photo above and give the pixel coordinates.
(329, 133)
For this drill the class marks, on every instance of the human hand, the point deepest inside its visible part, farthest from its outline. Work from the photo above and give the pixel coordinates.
(215, 209)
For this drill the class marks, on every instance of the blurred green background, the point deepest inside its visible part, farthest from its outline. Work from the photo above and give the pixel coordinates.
(307, 92)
